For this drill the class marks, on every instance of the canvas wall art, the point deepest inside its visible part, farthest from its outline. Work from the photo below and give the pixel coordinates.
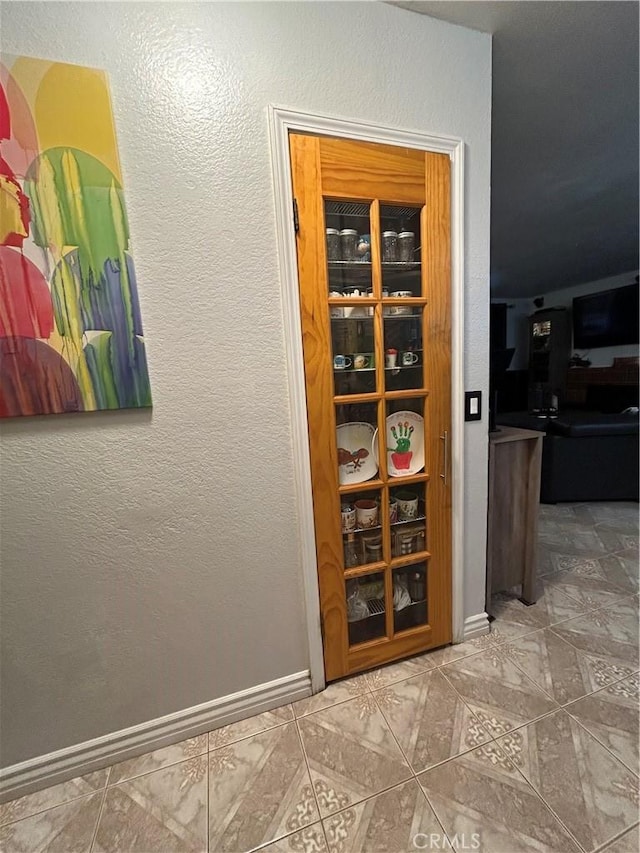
(70, 327)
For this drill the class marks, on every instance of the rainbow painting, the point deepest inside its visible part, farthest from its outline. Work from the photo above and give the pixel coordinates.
(70, 328)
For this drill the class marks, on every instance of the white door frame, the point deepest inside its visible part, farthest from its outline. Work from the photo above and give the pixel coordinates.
(281, 122)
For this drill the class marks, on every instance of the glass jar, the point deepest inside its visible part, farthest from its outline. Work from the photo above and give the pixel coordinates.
(417, 586)
(333, 244)
(349, 244)
(406, 245)
(389, 246)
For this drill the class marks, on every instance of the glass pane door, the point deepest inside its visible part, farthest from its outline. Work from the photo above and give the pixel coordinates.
(376, 314)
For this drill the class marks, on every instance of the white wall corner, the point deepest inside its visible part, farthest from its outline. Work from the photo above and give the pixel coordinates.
(476, 626)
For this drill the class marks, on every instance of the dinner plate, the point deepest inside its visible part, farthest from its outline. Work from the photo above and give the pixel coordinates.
(405, 444)
(356, 459)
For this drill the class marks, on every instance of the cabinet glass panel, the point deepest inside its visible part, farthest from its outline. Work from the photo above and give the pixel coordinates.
(353, 350)
(365, 607)
(410, 597)
(348, 241)
(404, 354)
(400, 240)
(356, 426)
(407, 519)
(405, 437)
(361, 523)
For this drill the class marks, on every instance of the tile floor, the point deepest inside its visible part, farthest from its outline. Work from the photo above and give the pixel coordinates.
(523, 740)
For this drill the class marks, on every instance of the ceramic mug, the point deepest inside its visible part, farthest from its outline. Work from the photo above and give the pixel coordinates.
(409, 358)
(407, 505)
(390, 357)
(367, 513)
(348, 518)
(363, 360)
(341, 362)
(402, 294)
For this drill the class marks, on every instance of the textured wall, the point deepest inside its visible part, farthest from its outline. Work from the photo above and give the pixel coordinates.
(150, 560)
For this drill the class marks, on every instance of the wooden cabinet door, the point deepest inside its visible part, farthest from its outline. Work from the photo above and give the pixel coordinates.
(374, 272)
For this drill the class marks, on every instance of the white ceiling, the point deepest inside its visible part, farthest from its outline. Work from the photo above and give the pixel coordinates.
(564, 182)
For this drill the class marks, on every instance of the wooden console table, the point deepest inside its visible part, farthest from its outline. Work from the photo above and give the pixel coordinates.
(515, 457)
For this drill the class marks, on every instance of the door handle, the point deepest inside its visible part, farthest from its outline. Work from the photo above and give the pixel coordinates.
(445, 438)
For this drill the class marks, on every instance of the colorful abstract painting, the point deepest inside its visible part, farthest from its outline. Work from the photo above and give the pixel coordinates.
(70, 329)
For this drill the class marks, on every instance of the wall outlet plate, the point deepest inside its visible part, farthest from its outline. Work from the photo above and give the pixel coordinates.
(473, 405)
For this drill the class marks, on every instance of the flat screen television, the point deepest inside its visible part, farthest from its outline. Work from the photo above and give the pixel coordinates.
(606, 319)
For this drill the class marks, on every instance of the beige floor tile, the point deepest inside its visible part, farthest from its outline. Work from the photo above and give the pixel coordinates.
(351, 752)
(164, 757)
(565, 538)
(481, 797)
(54, 796)
(593, 794)
(259, 791)
(617, 515)
(397, 820)
(617, 570)
(457, 651)
(590, 590)
(611, 632)
(251, 726)
(561, 670)
(627, 843)
(339, 691)
(308, 840)
(497, 691)
(612, 716)
(165, 810)
(386, 675)
(393, 672)
(68, 828)
(429, 720)
(513, 619)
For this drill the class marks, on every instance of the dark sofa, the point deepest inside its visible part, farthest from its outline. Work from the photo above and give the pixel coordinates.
(586, 456)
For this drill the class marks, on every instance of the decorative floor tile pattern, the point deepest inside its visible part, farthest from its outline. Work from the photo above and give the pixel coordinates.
(164, 757)
(251, 726)
(611, 632)
(387, 822)
(54, 796)
(65, 829)
(339, 691)
(164, 810)
(514, 619)
(399, 671)
(480, 797)
(308, 840)
(429, 720)
(259, 790)
(497, 691)
(612, 716)
(564, 672)
(352, 753)
(591, 792)
(366, 740)
(589, 590)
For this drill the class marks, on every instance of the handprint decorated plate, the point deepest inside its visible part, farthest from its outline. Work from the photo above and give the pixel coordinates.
(405, 444)
(356, 460)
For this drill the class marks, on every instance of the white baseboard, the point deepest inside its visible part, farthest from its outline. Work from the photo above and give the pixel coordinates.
(476, 626)
(54, 767)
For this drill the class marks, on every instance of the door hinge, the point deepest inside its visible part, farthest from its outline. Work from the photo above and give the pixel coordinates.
(296, 218)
